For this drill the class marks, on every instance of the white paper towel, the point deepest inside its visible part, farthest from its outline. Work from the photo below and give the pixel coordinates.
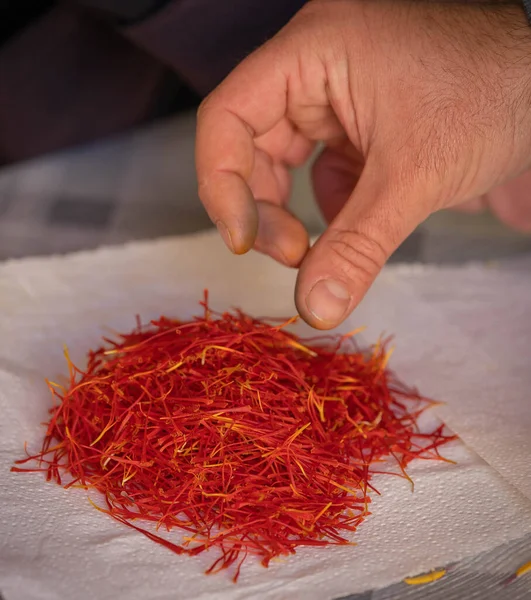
(55, 545)
(484, 316)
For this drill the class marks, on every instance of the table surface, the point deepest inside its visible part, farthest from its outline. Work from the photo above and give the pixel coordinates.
(142, 185)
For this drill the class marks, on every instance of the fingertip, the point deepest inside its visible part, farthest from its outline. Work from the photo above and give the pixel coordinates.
(240, 234)
(326, 305)
(231, 207)
(335, 276)
(238, 242)
(281, 235)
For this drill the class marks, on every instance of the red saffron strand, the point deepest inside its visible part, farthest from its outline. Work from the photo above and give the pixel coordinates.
(247, 438)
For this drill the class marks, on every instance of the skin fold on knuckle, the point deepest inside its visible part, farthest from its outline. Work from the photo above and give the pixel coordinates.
(204, 107)
(355, 256)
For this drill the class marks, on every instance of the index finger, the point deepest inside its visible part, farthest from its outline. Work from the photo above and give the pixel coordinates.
(250, 102)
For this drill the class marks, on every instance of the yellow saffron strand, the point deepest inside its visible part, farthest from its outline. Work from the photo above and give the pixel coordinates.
(425, 578)
(301, 347)
(523, 569)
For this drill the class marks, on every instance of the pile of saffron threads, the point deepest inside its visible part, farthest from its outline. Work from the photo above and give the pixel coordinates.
(248, 439)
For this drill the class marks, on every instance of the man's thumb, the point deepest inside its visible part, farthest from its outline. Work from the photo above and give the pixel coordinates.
(340, 268)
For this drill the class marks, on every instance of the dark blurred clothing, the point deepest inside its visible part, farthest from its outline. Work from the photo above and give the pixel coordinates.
(76, 71)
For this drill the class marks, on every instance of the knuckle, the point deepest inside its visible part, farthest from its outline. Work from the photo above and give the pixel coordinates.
(323, 18)
(204, 107)
(309, 11)
(356, 255)
(317, 8)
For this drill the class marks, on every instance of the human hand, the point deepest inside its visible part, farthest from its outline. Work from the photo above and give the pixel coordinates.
(510, 203)
(422, 106)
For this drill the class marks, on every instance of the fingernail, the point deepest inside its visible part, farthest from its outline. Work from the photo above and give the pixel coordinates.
(328, 301)
(225, 234)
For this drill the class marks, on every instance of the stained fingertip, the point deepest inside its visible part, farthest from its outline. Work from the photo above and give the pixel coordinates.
(281, 235)
(239, 238)
(230, 205)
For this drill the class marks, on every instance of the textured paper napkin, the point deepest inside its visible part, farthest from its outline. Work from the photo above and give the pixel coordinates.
(53, 544)
(487, 385)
